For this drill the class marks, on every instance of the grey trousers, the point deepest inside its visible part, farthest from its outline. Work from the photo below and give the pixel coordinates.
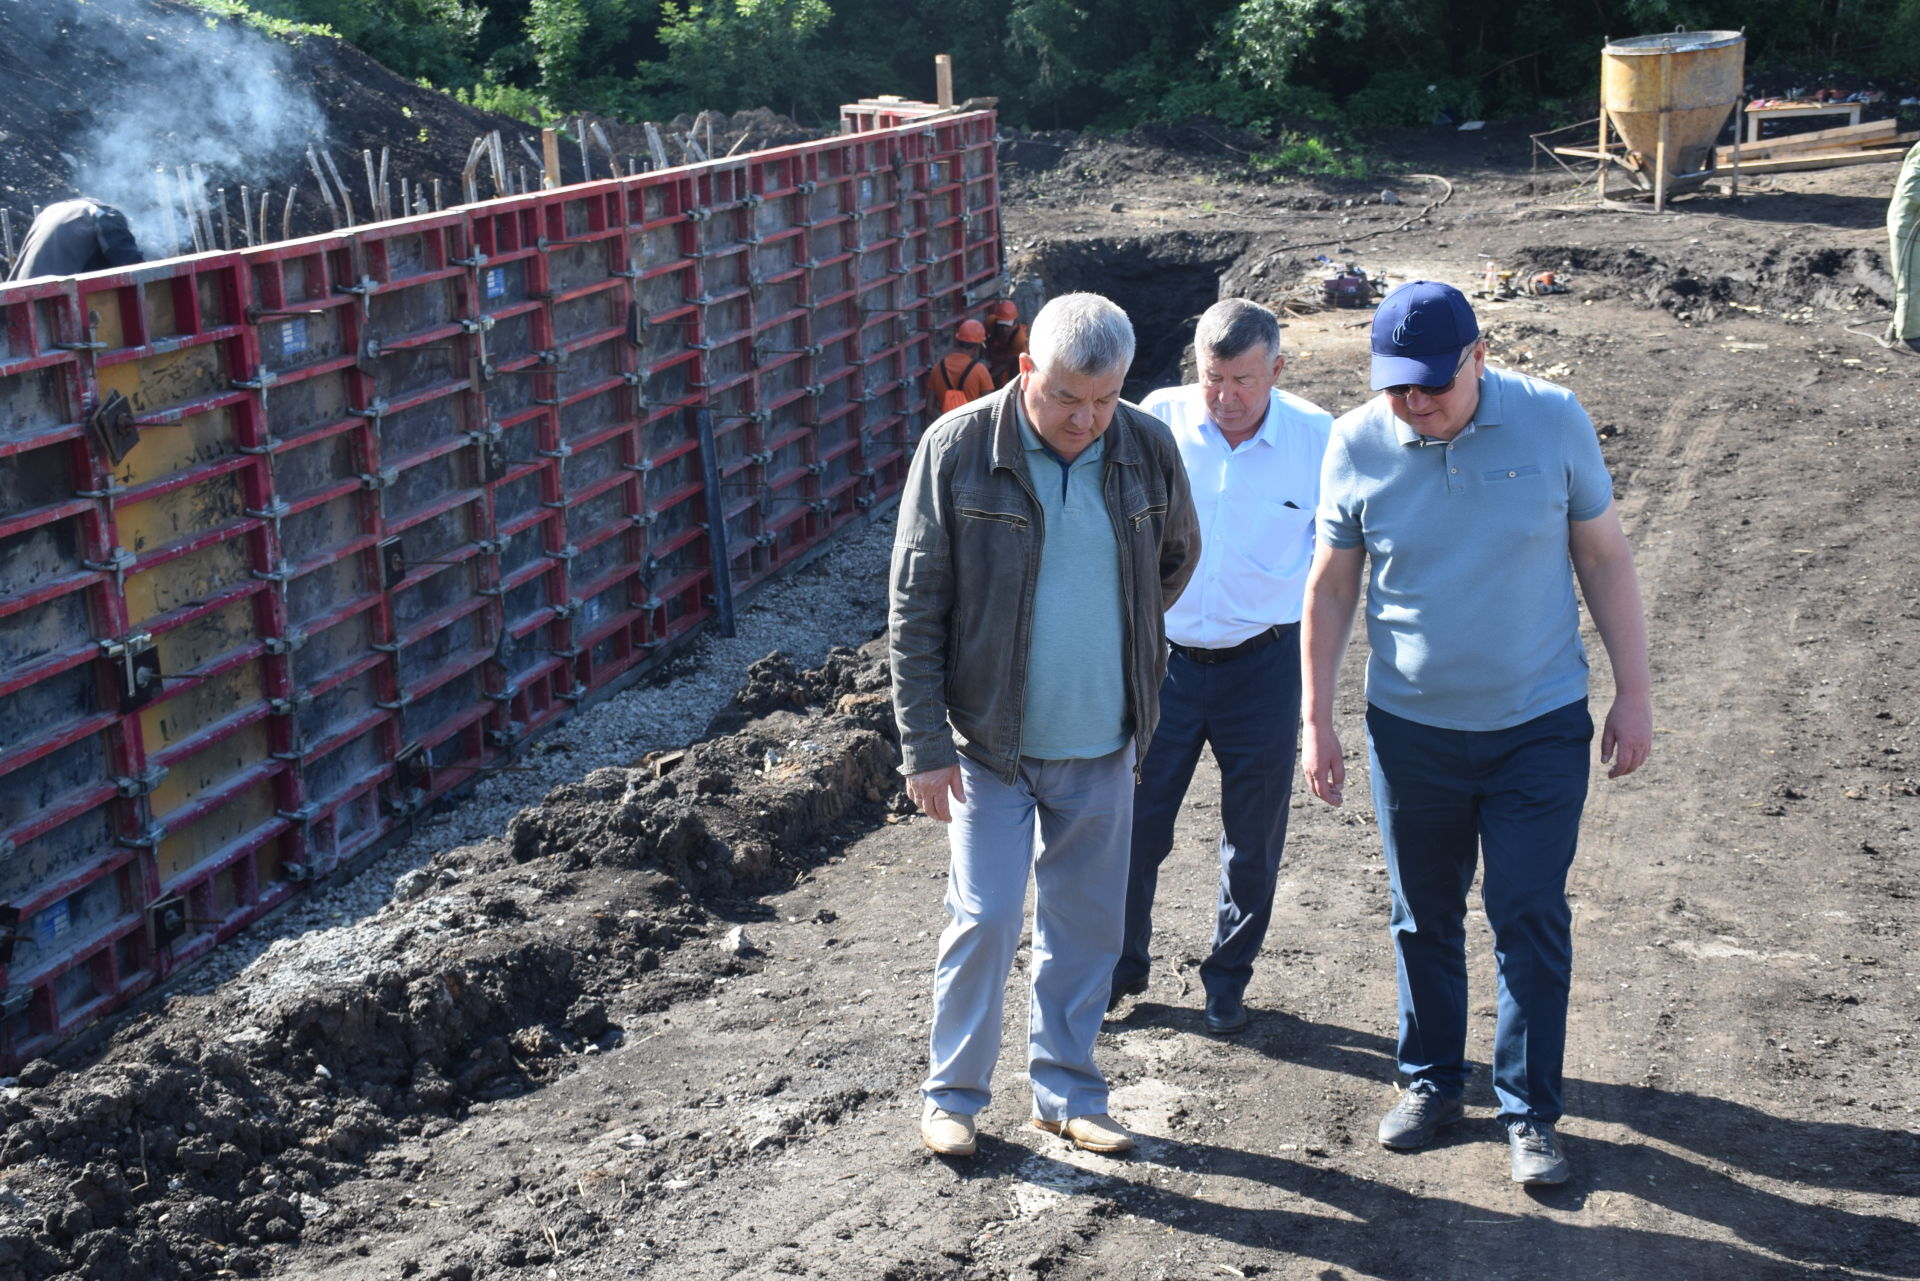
(1069, 821)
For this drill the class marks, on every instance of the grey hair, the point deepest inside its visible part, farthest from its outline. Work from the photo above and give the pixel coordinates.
(1081, 334)
(1233, 326)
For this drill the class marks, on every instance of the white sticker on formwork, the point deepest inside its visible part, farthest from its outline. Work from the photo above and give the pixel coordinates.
(53, 922)
(496, 282)
(293, 335)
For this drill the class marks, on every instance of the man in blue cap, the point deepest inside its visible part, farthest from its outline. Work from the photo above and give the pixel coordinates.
(1479, 495)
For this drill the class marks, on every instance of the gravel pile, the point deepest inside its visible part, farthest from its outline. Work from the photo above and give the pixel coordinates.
(838, 598)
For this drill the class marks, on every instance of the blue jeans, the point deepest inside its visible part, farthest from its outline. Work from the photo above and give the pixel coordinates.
(1078, 854)
(1513, 797)
(1248, 709)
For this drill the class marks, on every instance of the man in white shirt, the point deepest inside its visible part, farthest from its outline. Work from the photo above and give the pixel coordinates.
(1252, 454)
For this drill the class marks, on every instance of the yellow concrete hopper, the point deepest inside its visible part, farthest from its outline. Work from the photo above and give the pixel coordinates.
(1668, 97)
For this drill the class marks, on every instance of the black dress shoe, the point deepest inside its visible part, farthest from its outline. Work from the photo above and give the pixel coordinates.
(1121, 991)
(1225, 1015)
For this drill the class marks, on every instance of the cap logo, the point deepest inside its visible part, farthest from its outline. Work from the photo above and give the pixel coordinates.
(1408, 329)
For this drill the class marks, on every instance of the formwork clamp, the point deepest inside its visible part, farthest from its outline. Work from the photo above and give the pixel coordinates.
(380, 479)
(138, 661)
(375, 412)
(148, 839)
(644, 466)
(561, 553)
(699, 213)
(643, 520)
(292, 706)
(476, 324)
(282, 573)
(364, 289)
(140, 784)
(566, 610)
(282, 645)
(275, 510)
(807, 187)
(394, 704)
(262, 379)
(478, 260)
(118, 562)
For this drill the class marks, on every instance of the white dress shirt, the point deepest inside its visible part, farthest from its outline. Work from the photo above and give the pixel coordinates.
(1256, 506)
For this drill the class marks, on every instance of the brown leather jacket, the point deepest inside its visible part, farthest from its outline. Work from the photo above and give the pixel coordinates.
(966, 559)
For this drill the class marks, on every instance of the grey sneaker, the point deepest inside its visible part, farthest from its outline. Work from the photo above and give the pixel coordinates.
(1421, 1111)
(1537, 1158)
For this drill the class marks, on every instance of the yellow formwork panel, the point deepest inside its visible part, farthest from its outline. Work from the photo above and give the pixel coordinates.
(177, 447)
(212, 636)
(161, 382)
(170, 721)
(103, 315)
(187, 579)
(190, 848)
(166, 519)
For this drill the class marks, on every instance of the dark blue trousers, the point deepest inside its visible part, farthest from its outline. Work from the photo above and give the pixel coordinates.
(1446, 799)
(1248, 710)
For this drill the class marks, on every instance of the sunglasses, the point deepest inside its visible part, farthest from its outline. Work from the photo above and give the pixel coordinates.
(1400, 391)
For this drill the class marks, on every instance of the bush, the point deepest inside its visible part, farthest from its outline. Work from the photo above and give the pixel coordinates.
(1311, 154)
(1403, 97)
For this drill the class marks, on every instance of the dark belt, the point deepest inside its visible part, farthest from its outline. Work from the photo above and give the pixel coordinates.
(1258, 641)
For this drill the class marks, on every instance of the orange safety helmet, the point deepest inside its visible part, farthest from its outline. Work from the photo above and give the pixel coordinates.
(1004, 310)
(972, 331)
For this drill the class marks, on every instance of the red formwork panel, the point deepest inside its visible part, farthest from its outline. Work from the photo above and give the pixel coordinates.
(297, 539)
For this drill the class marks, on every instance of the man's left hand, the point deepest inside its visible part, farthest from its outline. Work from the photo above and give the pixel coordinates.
(1627, 740)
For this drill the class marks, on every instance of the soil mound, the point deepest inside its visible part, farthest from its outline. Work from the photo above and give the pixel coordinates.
(209, 1132)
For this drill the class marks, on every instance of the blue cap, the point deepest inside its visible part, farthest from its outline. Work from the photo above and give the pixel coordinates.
(1419, 333)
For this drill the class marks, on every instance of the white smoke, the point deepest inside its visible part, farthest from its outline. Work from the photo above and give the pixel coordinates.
(214, 100)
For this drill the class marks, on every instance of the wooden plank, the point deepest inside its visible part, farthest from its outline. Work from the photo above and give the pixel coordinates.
(1865, 134)
(1829, 160)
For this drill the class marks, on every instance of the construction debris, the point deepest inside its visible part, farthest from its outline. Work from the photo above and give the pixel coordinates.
(1873, 141)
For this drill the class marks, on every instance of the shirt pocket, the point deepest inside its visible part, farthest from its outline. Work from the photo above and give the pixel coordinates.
(1280, 537)
(1501, 475)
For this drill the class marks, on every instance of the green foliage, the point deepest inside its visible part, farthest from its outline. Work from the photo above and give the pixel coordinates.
(1311, 154)
(427, 39)
(736, 53)
(279, 28)
(508, 100)
(1266, 66)
(1402, 97)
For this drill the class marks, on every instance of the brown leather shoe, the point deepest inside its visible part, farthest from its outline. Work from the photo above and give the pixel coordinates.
(1096, 1133)
(948, 1133)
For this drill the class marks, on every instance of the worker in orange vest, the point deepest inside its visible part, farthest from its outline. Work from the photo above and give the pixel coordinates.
(961, 376)
(1006, 341)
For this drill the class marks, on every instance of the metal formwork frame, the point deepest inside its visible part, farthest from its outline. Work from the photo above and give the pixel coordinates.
(296, 540)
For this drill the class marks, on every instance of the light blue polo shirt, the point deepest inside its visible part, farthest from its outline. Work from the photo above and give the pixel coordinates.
(1076, 695)
(1471, 613)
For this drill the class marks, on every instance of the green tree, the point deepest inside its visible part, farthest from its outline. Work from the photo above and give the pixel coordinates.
(729, 54)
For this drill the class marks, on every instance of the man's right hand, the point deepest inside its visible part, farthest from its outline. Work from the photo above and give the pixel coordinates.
(930, 790)
(1325, 765)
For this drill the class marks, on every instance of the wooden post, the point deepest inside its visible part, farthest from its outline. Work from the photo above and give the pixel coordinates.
(550, 157)
(1739, 110)
(1601, 191)
(943, 78)
(1666, 127)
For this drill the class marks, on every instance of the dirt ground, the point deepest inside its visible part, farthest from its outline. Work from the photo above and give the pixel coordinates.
(671, 1023)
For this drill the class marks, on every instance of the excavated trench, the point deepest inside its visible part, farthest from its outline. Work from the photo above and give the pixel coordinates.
(1162, 282)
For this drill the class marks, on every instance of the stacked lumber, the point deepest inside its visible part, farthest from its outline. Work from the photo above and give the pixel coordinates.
(1860, 144)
